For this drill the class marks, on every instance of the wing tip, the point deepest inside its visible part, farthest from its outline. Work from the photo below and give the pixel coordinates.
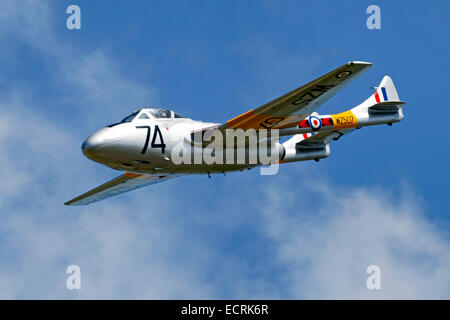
(73, 202)
(360, 63)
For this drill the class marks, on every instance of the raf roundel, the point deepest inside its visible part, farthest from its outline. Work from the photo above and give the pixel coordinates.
(315, 123)
(343, 74)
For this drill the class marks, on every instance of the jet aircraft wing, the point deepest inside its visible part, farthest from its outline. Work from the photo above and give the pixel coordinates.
(124, 183)
(287, 110)
(310, 140)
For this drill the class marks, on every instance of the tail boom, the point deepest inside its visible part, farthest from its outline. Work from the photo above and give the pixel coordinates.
(311, 136)
(382, 107)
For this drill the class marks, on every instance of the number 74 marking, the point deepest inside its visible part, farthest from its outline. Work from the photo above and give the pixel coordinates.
(156, 133)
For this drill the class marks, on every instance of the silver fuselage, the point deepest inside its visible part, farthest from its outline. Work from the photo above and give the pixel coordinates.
(136, 146)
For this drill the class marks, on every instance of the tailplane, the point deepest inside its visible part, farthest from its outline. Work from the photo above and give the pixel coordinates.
(384, 100)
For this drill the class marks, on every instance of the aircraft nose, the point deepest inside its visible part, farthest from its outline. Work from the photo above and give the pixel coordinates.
(92, 145)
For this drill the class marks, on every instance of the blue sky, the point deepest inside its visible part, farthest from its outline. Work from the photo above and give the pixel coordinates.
(308, 232)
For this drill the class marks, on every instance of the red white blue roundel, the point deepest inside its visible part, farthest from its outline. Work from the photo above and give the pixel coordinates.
(315, 123)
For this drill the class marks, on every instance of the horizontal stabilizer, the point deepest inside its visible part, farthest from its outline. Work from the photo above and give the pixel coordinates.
(386, 107)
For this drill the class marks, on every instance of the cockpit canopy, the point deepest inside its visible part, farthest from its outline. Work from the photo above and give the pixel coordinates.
(148, 113)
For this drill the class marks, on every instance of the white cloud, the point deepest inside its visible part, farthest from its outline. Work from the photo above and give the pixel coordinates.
(120, 256)
(328, 237)
(26, 20)
(42, 164)
(123, 253)
(88, 80)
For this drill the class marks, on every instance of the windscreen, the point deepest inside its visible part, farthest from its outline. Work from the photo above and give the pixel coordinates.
(130, 117)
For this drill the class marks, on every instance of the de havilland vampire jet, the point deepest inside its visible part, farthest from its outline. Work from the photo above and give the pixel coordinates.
(144, 143)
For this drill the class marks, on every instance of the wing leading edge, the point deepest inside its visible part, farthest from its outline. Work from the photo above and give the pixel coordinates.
(289, 109)
(124, 183)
